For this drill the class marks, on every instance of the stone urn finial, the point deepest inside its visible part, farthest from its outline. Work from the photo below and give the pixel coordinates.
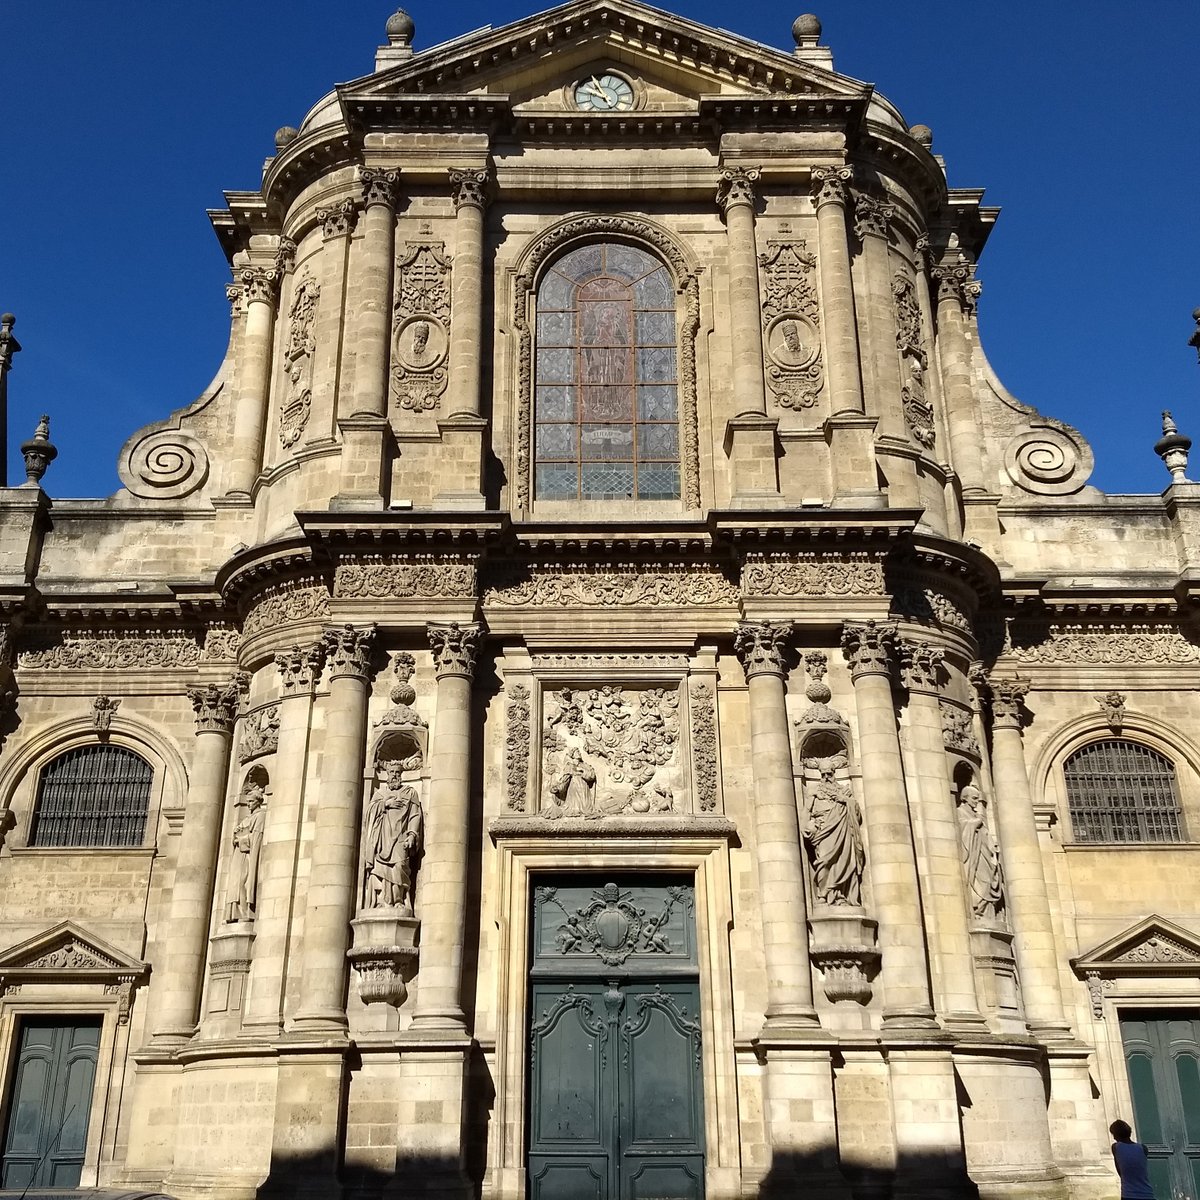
(1173, 449)
(1194, 340)
(39, 452)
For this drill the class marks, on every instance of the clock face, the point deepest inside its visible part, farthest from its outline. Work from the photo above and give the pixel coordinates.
(604, 93)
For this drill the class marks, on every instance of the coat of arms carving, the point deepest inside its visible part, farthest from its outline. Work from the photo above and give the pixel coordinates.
(421, 327)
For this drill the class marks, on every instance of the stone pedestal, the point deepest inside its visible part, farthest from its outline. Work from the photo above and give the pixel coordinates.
(991, 948)
(228, 967)
(843, 949)
(460, 462)
(383, 950)
(750, 443)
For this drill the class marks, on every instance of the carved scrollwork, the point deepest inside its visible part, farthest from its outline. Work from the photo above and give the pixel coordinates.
(419, 578)
(1103, 645)
(851, 574)
(165, 464)
(687, 287)
(1048, 460)
(791, 325)
(704, 746)
(517, 746)
(298, 362)
(286, 605)
(617, 585)
(113, 652)
(421, 321)
(611, 927)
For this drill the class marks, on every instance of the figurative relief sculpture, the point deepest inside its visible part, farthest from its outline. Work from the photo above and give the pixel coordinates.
(611, 750)
(395, 826)
(831, 833)
(247, 846)
(981, 856)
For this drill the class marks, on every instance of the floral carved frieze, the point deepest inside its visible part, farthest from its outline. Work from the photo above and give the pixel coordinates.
(516, 751)
(791, 325)
(421, 327)
(287, 605)
(611, 750)
(417, 578)
(1158, 949)
(812, 575)
(298, 363)
(618, 586)
(221, 644)
(113, 652)
(1103, 645)
(704, 745)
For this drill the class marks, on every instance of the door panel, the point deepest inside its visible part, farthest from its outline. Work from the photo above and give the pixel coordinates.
(51, 1101)
(1162, 1058)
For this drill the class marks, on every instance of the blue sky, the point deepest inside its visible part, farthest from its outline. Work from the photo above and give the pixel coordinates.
(123, 123)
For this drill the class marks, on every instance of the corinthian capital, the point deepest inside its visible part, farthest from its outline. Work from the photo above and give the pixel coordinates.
(830, 185)
(454, 648)
(337, 221)
(379, 187)
(236, 295)
(868, 647)
(956, 283)
(300, 668)
(736, 186)
(1008, 696)
(761, 646)
(216, 705)
(919, 666)
(469, 188)
(348, 650)
(259, 284)
(871, 217)
(285, 255)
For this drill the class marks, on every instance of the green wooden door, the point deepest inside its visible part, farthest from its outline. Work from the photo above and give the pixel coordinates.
(616, 1104)
(1162, 1058)
(49, 1103)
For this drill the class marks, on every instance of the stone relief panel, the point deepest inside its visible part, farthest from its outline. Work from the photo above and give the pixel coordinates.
(285, 605)
(611, 750)
(705, 762)
(420, 577)
(421, 327)
(791, 325)
(517, 747)
(83, 651)
(958, 730)
(557, 585)
(813, 574)
(298, 363)
(260, 733)
(918, 412)
(1099, 645)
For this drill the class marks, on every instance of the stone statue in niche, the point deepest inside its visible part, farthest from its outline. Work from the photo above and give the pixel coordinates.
(395, 826)
(831, 832)
(247, 846)
(981, 857)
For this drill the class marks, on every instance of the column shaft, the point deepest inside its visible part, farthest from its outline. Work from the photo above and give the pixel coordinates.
(175, 1000)
(1028, 900)
(466, 324)
(443, 880)
(894, 882)
(333, 861)
(331, 331)
(250, 416)
(373, 307)
(782, 903)
(745, 312)
(954, 353)
(837, 292)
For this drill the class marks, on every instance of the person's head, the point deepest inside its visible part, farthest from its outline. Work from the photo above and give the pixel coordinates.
(1121, 1131)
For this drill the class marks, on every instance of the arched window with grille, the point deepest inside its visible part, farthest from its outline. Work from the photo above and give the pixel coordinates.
(1122, 791)
(607, 402)
(92, 796)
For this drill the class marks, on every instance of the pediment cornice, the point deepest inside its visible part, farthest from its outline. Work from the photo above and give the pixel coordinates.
(68, 952)
(1154, 946)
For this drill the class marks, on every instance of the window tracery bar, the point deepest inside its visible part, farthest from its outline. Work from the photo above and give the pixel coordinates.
(1121, 791)
(92, 796)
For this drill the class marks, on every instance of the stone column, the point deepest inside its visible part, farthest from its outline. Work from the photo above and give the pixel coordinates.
(337, 223)
(1021, 853)
(957, 294)
(299, 670)
(363, 420)
(175, 998)
(333, 861)
(760, 646)
(830, 197)
(894, 882)
(260, 288)
(444, 867)
(735, 195)
(466, 312)
(946, 894)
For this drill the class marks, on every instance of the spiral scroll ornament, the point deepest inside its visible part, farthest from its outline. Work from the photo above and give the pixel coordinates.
(1048, 461)
(165, 465)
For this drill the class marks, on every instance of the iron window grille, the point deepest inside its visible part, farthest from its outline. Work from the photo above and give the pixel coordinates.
(1121, 791)
(92, 796)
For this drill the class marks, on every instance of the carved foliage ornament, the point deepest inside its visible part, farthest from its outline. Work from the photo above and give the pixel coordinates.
(812, 575)
(957, 284)
(299, 669)
(920, 664)
(516, 750)
(469, 188)
(872, 217)
(1008, 698)
(1102, 645)
(420, 578)
(348, 650)
(761, 646)
(619, 585)
(868, 647)
(454, 648)
(578, 229)
(611, 928)
(736, 185)
(286, 605)
(1157, 949)
(421, 325)
(791, 325)
(378, 186)
(216, 705)
(338, 220)
(831, 185)
(704, 745)
(819, 714)
(918, 412)
(86, 652)
(298, 362)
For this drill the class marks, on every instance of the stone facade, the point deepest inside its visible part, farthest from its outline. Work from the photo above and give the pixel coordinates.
(384, 678)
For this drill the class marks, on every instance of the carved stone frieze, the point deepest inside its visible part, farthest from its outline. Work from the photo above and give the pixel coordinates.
(83, 651)
(221, 644)
(1158, 949)
(812, 574)
(704, 745)
(421, 327)
(917, 603)
(791, 325)
(517, 748)
(611, 750)
(422, 577)
(287, 604)
(585, 665)
(260, 733)
(687, 287)
(298, 362)
(1101, 645)
(70, 955)
(958, 730)
(612, 586)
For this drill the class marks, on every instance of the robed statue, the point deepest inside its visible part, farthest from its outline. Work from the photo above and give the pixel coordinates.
(831, 832)
(981, 857)
(395, 825)
(247, 845)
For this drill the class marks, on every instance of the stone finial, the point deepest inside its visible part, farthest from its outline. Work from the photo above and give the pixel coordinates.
(806, 29)
(922, 135)
(400, 28)
(285, 135)
(8, 342)
(1194, 340)
(39, 452)
(1173, 449)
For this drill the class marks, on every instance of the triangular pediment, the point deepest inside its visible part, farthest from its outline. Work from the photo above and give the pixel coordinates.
(1154, 945)
(675, 61)
(68, 948)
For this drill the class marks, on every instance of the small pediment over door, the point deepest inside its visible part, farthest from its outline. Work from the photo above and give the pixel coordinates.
(1154, 947)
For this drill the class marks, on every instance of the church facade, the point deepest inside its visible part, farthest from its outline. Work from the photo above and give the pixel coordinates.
(606, 694)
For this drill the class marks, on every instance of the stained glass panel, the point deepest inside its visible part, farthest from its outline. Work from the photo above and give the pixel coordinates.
(655, 291)
(607, 404)
(557, 442)
(556, 366)
(557, 482)
(556, 403)
(554, 328)
(606, 481)
(656, 404)
(658, 441)
(606, 441)
(658, 481)
(656, 328)
(656, 365)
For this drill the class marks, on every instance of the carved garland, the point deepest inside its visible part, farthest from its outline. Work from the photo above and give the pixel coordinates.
(286, 604)
(704, 746)
(517, 748)
(686, 285)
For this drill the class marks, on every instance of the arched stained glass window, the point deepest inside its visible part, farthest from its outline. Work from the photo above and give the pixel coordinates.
(607, 406)
(92, 796)
(1122, 791)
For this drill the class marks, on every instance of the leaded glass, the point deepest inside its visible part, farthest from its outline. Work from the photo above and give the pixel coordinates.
(606, 320)
(92, 796)
(1122, 791)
